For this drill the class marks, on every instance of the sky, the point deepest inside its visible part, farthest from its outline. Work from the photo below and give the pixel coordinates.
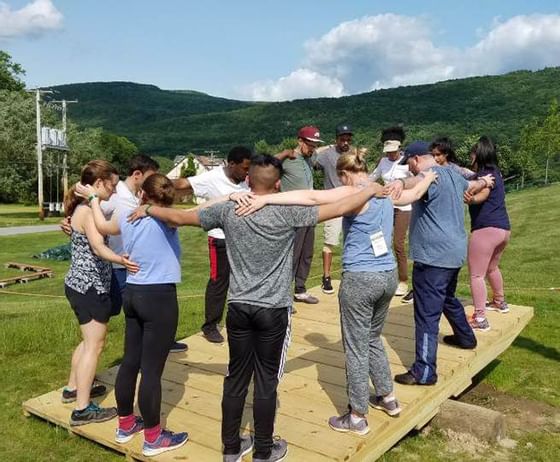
(277, 50)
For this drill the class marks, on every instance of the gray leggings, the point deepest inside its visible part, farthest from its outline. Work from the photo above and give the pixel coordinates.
(364, 299)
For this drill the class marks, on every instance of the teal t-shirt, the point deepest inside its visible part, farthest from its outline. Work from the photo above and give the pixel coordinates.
(437, 235)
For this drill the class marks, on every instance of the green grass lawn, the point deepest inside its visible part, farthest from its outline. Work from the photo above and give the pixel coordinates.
(22, 215)
(38, 333)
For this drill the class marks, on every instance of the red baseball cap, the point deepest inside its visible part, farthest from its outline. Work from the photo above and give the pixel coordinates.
(310, 133)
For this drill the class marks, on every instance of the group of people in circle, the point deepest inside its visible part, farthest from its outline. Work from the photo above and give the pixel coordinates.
(260, 252)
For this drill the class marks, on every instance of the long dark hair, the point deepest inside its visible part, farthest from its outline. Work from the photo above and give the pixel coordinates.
(445, 146)
(91, 172)
(485, 154)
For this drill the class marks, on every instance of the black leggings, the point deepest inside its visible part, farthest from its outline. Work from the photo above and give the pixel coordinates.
(151, 323)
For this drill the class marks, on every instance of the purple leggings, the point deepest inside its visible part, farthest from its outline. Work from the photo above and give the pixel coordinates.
(485, 250)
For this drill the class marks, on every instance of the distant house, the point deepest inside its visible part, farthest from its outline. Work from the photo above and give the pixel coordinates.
(202, 164)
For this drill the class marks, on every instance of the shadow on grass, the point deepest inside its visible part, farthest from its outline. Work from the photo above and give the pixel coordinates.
(536, 347)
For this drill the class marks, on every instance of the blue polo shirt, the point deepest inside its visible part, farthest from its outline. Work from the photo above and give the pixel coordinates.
(437, 235)
(155, 247)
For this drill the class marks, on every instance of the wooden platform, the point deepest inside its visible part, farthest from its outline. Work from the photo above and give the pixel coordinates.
(312, 390)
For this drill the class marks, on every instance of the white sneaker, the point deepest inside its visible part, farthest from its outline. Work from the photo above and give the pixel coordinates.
(402, 289)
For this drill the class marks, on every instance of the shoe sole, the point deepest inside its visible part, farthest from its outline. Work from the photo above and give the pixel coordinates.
(328, 291)
(244, 453)
(178, 351)
(73, 400)
(345, 430)
(128, 438)
(306, 301)
(409, 302)
(79, 423)
(393, 413)
(155, 452)
(214, 340)
(497, 310)
(480, 329)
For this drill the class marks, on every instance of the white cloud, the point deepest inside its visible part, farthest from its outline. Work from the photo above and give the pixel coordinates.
(391, 50)
(34, 19)
(301, 83)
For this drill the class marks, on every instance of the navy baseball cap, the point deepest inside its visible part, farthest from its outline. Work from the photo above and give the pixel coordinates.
(416, 148)
(343, 129)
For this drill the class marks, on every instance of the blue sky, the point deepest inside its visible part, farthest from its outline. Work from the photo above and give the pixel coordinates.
(277, 50)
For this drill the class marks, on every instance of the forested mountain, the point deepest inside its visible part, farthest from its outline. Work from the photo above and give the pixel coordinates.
(169, 122)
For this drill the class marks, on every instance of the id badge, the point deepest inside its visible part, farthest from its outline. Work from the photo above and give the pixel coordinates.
(378, 244)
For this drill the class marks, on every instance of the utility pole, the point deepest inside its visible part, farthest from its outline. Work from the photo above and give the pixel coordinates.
(65, 155)
(39, 152)
(211, 152)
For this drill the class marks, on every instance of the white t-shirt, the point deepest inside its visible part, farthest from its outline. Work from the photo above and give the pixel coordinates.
(214, 184)
(390, 171)
(120, 202)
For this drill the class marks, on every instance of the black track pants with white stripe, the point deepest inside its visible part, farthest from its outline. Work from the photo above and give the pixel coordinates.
(257, 339)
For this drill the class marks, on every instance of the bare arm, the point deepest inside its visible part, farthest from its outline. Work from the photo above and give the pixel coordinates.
(99, 248)
(104, 226)
(286, 154)
(478, 185)
(347, 204)
(477, 198)
(177, 217)
(299, 197)
(408, 196)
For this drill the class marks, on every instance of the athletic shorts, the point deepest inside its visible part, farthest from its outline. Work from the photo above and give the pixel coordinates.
(90, 305)
(332, 230)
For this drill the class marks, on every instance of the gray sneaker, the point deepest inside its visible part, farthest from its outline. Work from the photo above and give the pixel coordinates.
(344, 424)
(278, 453)
(246, 447)
(501, 307)
(480, 324)
(390, 407)
(306, 298)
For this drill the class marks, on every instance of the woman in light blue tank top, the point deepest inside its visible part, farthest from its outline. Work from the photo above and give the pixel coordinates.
(369, 281)
(151, 315)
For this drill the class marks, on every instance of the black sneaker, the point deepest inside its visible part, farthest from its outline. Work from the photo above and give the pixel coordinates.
(178, 347)
(327, 285)
(408, 298)
(214, 336)
(92, 414)
(452, 341)
(69, 396)
(408, 379)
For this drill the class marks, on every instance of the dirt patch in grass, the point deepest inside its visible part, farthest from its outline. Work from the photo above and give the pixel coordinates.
(522, 414)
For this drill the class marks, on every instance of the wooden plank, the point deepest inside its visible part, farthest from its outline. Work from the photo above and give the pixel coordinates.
(312, 390)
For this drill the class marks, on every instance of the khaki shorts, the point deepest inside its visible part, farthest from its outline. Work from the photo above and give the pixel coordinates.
(333, 228)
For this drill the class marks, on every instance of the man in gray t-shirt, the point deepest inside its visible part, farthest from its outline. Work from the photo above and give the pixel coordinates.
(259, 250)
(297, 174)
(260, 277)
(326, 160)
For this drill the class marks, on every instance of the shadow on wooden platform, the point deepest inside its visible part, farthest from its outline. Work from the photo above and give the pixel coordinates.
(312, 389)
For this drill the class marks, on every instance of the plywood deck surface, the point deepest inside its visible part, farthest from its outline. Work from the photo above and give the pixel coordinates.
(312, 389)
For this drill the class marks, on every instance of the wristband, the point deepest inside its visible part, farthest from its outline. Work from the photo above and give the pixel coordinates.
(91, 197)
(148, 210)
